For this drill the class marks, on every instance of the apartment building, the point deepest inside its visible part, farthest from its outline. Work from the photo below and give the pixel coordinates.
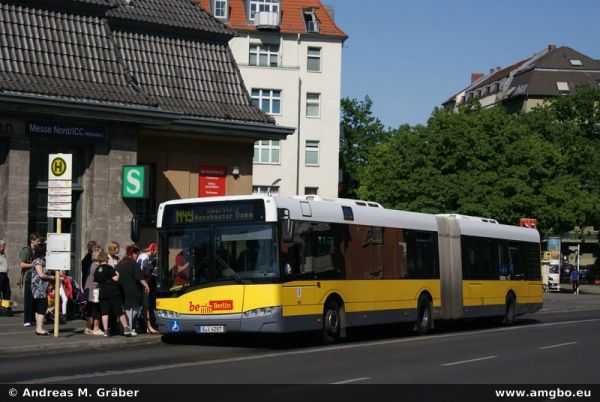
(290, 55)
(531, 81)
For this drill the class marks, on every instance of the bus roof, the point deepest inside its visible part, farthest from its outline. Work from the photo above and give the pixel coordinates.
(358, 212)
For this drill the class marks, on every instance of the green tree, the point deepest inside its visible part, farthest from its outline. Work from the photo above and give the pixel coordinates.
(360, 131)
(484, 163)
(543, 164)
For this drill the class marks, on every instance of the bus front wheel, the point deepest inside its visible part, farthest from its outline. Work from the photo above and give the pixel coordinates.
(331, 322)
(424, 322)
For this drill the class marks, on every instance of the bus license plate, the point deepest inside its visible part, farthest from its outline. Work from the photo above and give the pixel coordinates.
(210, 329)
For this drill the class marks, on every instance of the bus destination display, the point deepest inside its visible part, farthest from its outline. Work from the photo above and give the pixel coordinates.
(194, 214)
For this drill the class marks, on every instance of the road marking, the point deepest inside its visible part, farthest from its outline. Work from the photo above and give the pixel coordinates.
(19, 332)
(557, 346)
(321, 349)
(352, 380)
(469, 361)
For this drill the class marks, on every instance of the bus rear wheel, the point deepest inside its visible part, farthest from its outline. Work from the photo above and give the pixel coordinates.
(424, 322)
(510, 310)
(331, 322)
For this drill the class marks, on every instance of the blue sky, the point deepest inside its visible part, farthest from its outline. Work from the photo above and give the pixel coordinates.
(410, 56)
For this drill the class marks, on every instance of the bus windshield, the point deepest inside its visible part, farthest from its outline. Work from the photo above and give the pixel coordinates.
(218, 254)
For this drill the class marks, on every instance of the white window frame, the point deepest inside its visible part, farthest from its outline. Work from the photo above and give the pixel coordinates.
(314, 102)
(309, 56)
(313, 147)
(265, 99)
(255, 6)
(225, 8)
(262, 189)
(263, 49)
(270, 146)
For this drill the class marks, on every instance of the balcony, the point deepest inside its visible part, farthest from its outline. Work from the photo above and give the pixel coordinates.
(312, 26)
(266, 20)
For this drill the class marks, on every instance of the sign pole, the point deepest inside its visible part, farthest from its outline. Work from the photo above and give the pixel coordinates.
(57, 287)
(60, 175)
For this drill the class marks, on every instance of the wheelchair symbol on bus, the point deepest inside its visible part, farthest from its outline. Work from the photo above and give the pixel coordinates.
(174, 325)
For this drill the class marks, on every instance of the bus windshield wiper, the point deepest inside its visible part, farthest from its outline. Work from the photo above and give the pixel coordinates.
(233, 273)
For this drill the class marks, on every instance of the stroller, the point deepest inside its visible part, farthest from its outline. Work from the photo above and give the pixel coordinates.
(76, 301)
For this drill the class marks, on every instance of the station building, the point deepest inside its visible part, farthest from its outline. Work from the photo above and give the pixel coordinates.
(115, 83)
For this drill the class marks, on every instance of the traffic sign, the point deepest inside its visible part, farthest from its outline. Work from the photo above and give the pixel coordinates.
(59, 167)
(58, 242)
(135, 181)
(55, 213)
(58, 261)
(52, 199)
(59, 190)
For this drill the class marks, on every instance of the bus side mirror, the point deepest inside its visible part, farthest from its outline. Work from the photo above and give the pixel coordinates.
(287, 224)
(135, 229)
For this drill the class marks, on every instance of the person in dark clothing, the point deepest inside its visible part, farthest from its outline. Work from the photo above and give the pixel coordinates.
(26, 260)
(575, 280)
(131, 281)
(86, 262)
(147, 263)
(110, 296)
(247, 258)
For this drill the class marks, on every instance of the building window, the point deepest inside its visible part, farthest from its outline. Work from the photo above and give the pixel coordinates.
(220, 9)
(267, 190)
(264, 55)
(310, 20)
(562, 86)
(262, 5)
(313, 105)
(267, 100)
(576, 62)
(312, 153)
(311, 190)
(266, 151)
(314, 59)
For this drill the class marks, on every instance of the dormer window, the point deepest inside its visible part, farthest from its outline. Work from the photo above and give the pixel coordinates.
(220, 9)
(562, 86)
(256, 6)
(310, 20)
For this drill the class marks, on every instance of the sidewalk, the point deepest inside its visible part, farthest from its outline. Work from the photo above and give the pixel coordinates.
(17, 340)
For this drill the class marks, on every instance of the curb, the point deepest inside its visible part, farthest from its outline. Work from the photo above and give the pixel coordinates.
(99, 344)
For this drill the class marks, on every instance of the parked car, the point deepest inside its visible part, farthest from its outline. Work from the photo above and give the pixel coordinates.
(585, 274)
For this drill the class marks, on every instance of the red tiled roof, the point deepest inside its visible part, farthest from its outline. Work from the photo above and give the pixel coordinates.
(292, 20)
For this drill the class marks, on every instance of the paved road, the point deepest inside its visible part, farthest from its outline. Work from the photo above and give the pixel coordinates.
(548, 348)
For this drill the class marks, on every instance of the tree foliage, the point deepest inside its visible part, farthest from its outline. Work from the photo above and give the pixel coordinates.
(360, 132)
(544, 164)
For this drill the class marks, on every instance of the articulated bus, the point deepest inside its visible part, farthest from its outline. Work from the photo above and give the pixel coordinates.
(279, 265)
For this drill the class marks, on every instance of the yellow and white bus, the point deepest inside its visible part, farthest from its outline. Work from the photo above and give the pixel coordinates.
(288, 264)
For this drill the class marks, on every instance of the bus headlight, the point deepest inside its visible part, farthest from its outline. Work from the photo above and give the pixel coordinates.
(167, 314)
(259, 312)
